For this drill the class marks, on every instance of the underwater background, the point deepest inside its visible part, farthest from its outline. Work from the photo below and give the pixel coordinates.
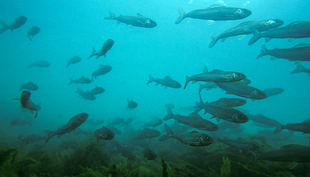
(72, 28)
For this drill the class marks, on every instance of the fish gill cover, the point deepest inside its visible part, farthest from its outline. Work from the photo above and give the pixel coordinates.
(139, 42)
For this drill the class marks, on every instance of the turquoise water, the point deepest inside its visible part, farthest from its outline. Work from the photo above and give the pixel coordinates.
(72, 28)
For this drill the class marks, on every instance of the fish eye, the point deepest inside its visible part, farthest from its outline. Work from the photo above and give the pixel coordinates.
(239, 11)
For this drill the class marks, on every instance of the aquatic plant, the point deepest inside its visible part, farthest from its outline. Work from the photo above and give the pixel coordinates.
(165, 167)
(226, 167)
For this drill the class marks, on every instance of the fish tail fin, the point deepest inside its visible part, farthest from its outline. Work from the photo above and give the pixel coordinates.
(278, 129)
(214, 39)
(168, 134)
(200, 88)
(36, 114)
(29, 37)
(71, 81)
(49, 135)
(111, 17)
(299, 68)
(93, 53)
(186, 82)
(4, 27)
(169, 115)
(150, 80)
(262, 52)
(256, 36)
(181, 17)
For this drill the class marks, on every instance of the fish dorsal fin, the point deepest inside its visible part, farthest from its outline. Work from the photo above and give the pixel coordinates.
(216, 71)
(193, 132)
(302, 45)
(216, 5)
(139, 14)
(168, 78)
(295, 23)
(205, 69)
(194, 115)
(306, 121)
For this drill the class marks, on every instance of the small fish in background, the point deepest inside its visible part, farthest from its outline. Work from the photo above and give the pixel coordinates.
(81, 80)
(131, 104)
(27, 103)
(147, 133)
(125, 151)
(17, 23)
(97, 90)
(208, 86)
(104, 134)
(303, 127)
(73, 60)
(273, 91)
(128, 121)
(135, 20)
(149, 153)
(300, 69)
(115, 121)
(104, 49)
(20, 122)
(115, 130)
(32, 32)
(79, 131)
(103, 69)
(170, 105)
(73, 123)
(85, 94)
(28, 86)
(154, 123)
(167, 82)
(32, 139)
(40, 64)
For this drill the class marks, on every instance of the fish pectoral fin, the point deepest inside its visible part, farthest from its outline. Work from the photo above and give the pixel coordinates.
(291, 39)
(241, 37)
(210, 22)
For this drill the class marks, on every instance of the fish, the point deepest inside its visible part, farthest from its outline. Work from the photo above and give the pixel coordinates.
(273, 91)
(149, 153)
(167, 82)
(216, 13)
(154, 123)
(80, 131)
(169, 105)
(103, 69)
(131, 104)
(303, 127)
(28, 86)
(27, 103)
(20, 122)
(245, 28)
(223, 112)
(147, 133)
(40, 64)
(116, 121)
(125, 151)
(104, 134)
(243, 90)
(261, 119)
(207, 86)
(73, 123)
(194, 138)
(32, 32)
(227, 125)
(300, 68)
(240, 144)
(104, 49)
(33, 139)
(86, 94)
(81, 80)
(229, 102)
(17, 23)
(193, 120)
(97, 90)
(73, 60)
(115, 130)
(297, 29)
(135, 20)
(288, 153)
(301, 52)
(128, 121)
(215, 76)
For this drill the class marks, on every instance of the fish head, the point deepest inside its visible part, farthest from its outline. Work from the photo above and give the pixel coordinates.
(258, 94)
(109, 42)
(150, 23)
(235, 76)
(109, 135)
(82, 117)
(274, 23)
(177, 85)
(204, 140)
(239, 102)
(239, 117)
(212, 127)
(242, 13)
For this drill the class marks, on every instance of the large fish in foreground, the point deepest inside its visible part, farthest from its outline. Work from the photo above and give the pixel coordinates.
(167, 82)
(300, 52)
(298, 29)
(216, 13)
(135, 20)
(246, 28)
(17, 23)
(193, 120)
(104, 49)
(300, 69)
(299, 127)
(73, 123)
(215, 76)
(192, 139)
(242, 89)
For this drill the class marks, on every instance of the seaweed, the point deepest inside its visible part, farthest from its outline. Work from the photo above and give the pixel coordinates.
(226, 167)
